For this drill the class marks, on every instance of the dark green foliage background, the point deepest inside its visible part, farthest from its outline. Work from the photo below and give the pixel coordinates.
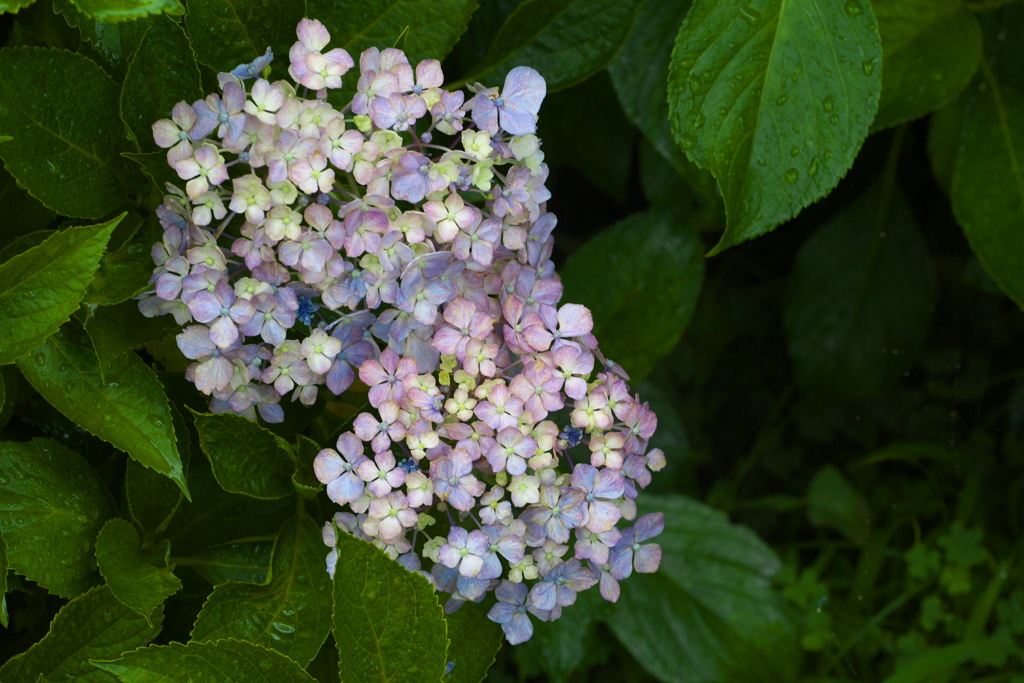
(841, 399)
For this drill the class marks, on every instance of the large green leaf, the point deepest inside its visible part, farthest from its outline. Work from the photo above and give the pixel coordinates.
(650, 270)
(774, 97)
(226, 33)
(112, 11)
(95, 625)
(246, 560)
(128, 410)
(162, 72)
(388, 625)
(41, 288)
(988, 180)
(246, 457)
(226, 661)
(132, 578)
(861, 296)
(475, 640)
(52, 505)
(567, 41)
(433, 26)
(930, 50)
(67, 137)
(710, 614)
(291, 614)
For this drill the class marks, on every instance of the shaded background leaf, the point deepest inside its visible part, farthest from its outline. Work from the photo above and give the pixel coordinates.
(861, 296)
(651, 269)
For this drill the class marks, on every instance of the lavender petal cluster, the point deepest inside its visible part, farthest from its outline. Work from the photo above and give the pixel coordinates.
(403, 239)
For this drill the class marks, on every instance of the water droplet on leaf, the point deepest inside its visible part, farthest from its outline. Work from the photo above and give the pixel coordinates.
(792, 175)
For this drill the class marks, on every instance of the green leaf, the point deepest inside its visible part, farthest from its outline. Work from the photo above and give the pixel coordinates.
(67, 141)
(861, 295)
(162, 72)
(132, 578)
(125, 273)
(154, 165)
(226, 33)
(113, 11)
(607, 166)
(558, 648)
(13, 6)
(4, 618)
(942, 660)
(930, 50)
(474, 641)
(774, 97)
(129, 410)
(712, 598)
(291, 614)
(52, 505)
(434, 26)
(226, 661)
(246, 457)
(218, 517)
(153, 498)
(567, 41)
(944, 131)
(388, 625)
(650, 270)
(95, 625)
(24, 243)
(117, 329)
(640, 72)
(304, 477)
(988, 180)
(22, 213)
(832, 502)
(42, 287)
(246, 560)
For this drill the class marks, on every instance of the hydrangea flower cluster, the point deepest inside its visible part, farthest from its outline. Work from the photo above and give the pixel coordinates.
(404, 238)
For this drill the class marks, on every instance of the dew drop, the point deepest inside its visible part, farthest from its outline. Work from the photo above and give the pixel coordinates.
(687, 140)
(828, 104)
(853, 8)
(812, 170)
(40, 359)
(834, 119)
(750, 15)
(794, 151)
(869, 67)
(282, 627)
(782, 100)
(792, 175)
